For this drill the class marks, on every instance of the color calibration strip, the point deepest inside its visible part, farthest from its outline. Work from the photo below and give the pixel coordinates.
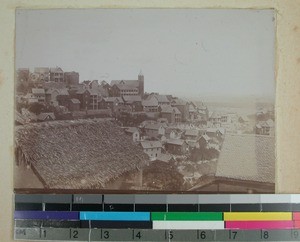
(172, 220)
(157, 217)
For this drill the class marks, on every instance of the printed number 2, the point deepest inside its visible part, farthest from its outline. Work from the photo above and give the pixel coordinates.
(232, 234)
(73, 234)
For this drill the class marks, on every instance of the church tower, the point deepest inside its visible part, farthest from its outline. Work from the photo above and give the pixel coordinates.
(141, 83)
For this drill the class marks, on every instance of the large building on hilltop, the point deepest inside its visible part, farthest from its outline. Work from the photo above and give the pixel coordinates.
(122, 88)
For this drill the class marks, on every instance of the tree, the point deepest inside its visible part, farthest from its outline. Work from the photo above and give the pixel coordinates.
(204, 153)
(36, 108)
(162, 176)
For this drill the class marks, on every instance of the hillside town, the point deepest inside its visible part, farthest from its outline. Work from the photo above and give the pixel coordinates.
(198, 147)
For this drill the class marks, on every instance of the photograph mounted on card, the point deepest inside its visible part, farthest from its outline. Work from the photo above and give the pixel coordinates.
(145, 100)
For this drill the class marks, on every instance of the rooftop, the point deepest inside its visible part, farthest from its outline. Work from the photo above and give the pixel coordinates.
(169, 109)
(113, 99)
(175, 141)
(131, 99)
(191, 132)
(38, 91)
(160, 98)
(56, 69)
(43, 116)
(178, 102)
(126, 87)
(134, 83)
(152, 102)
(155, 126)
(131, 130)
(247, 157)
(78, 154)
(151, 144)
(75, 100)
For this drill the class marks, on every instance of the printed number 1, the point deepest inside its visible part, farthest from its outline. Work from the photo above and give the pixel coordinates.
(43, 233)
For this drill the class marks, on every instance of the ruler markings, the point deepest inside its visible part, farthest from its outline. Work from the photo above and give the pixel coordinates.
(155, 235)
(266, 207)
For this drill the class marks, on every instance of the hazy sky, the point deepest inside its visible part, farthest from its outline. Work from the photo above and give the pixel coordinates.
(181, 52)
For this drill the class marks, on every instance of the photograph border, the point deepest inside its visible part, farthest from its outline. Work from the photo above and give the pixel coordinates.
(287, 84)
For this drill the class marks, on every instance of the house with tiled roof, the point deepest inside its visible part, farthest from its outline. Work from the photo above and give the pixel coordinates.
(134, 133)
(176, 146)
(113, 102)
(164, 157)
(215, 119)
(57, 75)
(128, 87)
(19, 119)
(150, 105)
(152, 148)
(265, 127)
(38, 94)
(120, 90)
(154, 130)
(246, 165)
(161, 99)
(191, 134)
(57, 96)
(135, 102)
(84, 96)
(45, 117)
(28, 116)
(204, 141)
(74, 104)
(171, 133)
(172, 114)
(192, 111)
(182, 106)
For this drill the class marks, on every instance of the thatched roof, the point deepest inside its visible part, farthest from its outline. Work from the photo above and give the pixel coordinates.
(78, 154)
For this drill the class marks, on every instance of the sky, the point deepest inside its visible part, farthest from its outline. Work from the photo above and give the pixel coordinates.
(184, 52)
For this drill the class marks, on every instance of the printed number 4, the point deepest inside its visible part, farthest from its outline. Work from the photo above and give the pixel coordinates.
(138, 235)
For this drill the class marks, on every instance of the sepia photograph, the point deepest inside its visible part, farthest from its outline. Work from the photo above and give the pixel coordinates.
(145, 100)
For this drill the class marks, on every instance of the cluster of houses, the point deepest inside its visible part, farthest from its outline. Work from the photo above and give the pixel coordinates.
(93, 99)
(172, 128)
(163, 141)
(53, 87)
